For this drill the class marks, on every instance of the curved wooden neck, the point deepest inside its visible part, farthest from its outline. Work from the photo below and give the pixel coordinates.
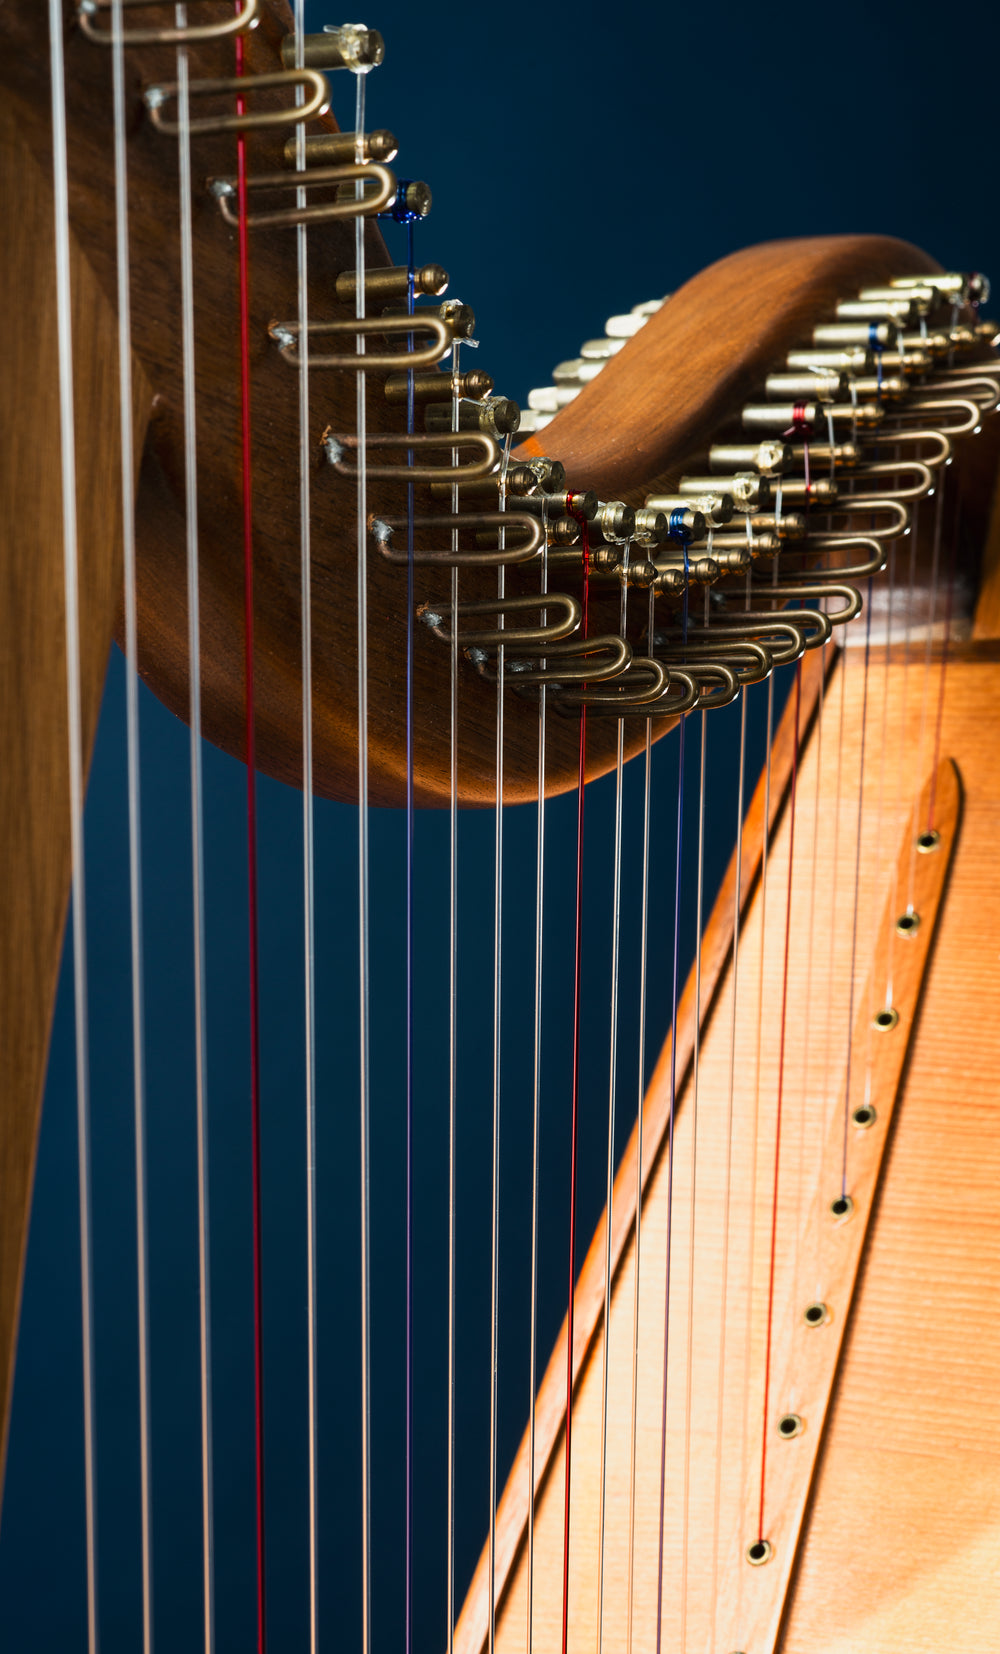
(661, 400)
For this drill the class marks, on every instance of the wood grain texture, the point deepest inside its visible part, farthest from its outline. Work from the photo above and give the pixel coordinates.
(728, 325)
(805, 1357)
(34, 798)
(910, 1469)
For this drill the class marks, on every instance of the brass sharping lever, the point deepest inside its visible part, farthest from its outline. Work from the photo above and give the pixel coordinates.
(519, 522)
(364, 206)
(623, 692)
(837, 542)
(874, 504)
(436, 615)
(238, 86)
(817, 589)
(888, 467)
(574, 660)
(336, 447)
(89, 11)
(286, 335)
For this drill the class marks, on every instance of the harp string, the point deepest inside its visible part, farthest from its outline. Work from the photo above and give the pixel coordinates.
(926, 676)
(536, 1110)
(880, 799)
(728, 1175)
(780, 1099)
(126, 449)
(678, 864)
(643, 961)
(805, 1148)
(71, 588)
(692, 1215)
(746, 1427)
(939, 717)
(498, 824)
(575, 1098)
(452, 1007)
(364, 1017)
(252, 926)
(616, 886)
(308, 851)
(408, 1423)
(853, 965)
(197, 829)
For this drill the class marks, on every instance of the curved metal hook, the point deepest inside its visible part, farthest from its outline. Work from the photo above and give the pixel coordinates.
(365, 206)
(291, 115)
(888, 468)
(87, 14)
(383, 528)
(286, 335)
(434, 616)
(335, 447)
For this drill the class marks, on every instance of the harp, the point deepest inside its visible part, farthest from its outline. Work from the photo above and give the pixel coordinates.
(767, 1420)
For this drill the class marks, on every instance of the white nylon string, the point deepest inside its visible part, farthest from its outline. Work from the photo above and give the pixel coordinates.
(746, 1426)
(925, 696)
(197, 829)
(308, 846)
(134, 809)
(452, 1009)
(497, 987)
(536, 1101)
(363, 903)
(616, 885)
(728, 1187)
(643, 961)
(699, 902)
(802, 1207)
(67, 444)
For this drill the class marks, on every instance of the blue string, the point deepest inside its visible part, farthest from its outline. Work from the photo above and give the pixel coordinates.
(399, 212)
(876, 345)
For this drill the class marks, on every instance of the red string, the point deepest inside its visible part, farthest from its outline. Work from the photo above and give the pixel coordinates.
(576, 1092)
(258, 1321)
(800, 428)
(781, 1090)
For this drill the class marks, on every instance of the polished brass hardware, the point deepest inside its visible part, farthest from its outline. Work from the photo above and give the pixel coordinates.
(335, 148)
(352, 46)
(316, 103)
(345, 206)
(239, 22)
(285, 335)
(392, 282)
(430, 387)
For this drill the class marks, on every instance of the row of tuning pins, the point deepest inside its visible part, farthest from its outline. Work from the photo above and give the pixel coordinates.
(570, 377)
(886, 348)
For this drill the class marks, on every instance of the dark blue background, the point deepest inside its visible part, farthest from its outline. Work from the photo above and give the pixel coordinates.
(581, 160)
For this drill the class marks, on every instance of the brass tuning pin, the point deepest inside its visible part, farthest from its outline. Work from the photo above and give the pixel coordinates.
(351, 46)
(430, 387)
(392, 281)
(496, 414)
(333, 149)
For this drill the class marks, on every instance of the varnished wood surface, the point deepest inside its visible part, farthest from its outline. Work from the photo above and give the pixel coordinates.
(906, 1501)
(34, 797)
(728, 325)
(805, 1359)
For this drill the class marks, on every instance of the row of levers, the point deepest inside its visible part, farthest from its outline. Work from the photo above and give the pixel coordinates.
(772, 545)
